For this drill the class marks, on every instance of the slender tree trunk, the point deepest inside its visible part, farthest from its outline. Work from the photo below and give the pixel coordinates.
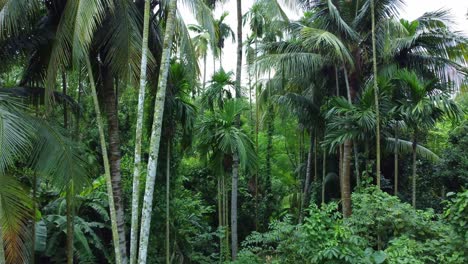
(413, 195)
(225, 220)
(257, 122)
(69, 192)
(269, 150)
(220, 58)
(235, 179)
(235, 165)
(356, 163)
(315, 157)
(220, 219)
(156, 133)
(138, 137)
(324, 173)
(111, 108)
(204, 73)
(168, 192)
(346, 186)
(70, 224)
(34, 208)
(110, 194)
(396, 163)
(214, 63)
(376, 95)
(305, 200)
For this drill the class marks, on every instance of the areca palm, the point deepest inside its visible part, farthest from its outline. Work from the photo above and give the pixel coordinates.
(201, 42)
(425, 102)
(222, 32)
(219, 90)
(222, 139)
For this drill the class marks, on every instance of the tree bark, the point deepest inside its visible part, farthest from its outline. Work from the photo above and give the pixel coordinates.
(413, 194)
(305, 200)
(113, 215)
(324, 173)
(235, 166)
(346, 186)
(396, 163)
(115, 156)
(156, 133)
(235, 179)
(356, 163)
(204, 73)
(138, 138)
(69, 194)
(376, 95)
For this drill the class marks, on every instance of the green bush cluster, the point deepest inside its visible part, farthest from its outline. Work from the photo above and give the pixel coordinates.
(382, 229)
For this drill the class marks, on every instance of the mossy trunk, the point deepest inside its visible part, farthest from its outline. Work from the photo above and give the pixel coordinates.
(376, 96)
(156, 133)
(138, 137)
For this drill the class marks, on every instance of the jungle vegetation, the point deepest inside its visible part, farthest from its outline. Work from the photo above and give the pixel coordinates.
(340, 137)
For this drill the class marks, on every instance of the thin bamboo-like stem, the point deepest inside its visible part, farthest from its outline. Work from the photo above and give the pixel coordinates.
(155, 138)
(376, 95)
(138, 139)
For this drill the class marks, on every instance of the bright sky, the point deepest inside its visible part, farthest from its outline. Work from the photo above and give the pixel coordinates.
(413, 9)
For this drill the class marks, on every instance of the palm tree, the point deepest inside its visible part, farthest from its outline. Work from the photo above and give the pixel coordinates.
(107, 172)
(219, 90)
(201, 42)
(425, 102)
(222, 32)
(54, 157)
(221, 137)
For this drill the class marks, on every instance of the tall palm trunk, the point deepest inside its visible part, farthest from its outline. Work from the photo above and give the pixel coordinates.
(110, 99)
(168, 192)
(70, 224)
(138, 135)
(414, 175)
(69, 192)
(235, 179)
(305, 199)
(235, 166)
(376, 96)
(34, 208)
(204, 73)
(156, 132)
(269, 150)
(356, 163)
(324, 173)
(396, 162)
(110, 194)
(346, 161)
(346, 186)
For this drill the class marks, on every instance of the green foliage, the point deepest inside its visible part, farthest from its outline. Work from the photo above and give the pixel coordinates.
(453, 168)
(381, 230)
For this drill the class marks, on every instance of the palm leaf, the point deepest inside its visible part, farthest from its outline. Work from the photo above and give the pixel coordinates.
(16, 132)
(405, 146)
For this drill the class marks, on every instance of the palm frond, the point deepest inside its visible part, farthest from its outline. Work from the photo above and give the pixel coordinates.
(16, 132)
(60, 159)
(405, 146)
(15, 211)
